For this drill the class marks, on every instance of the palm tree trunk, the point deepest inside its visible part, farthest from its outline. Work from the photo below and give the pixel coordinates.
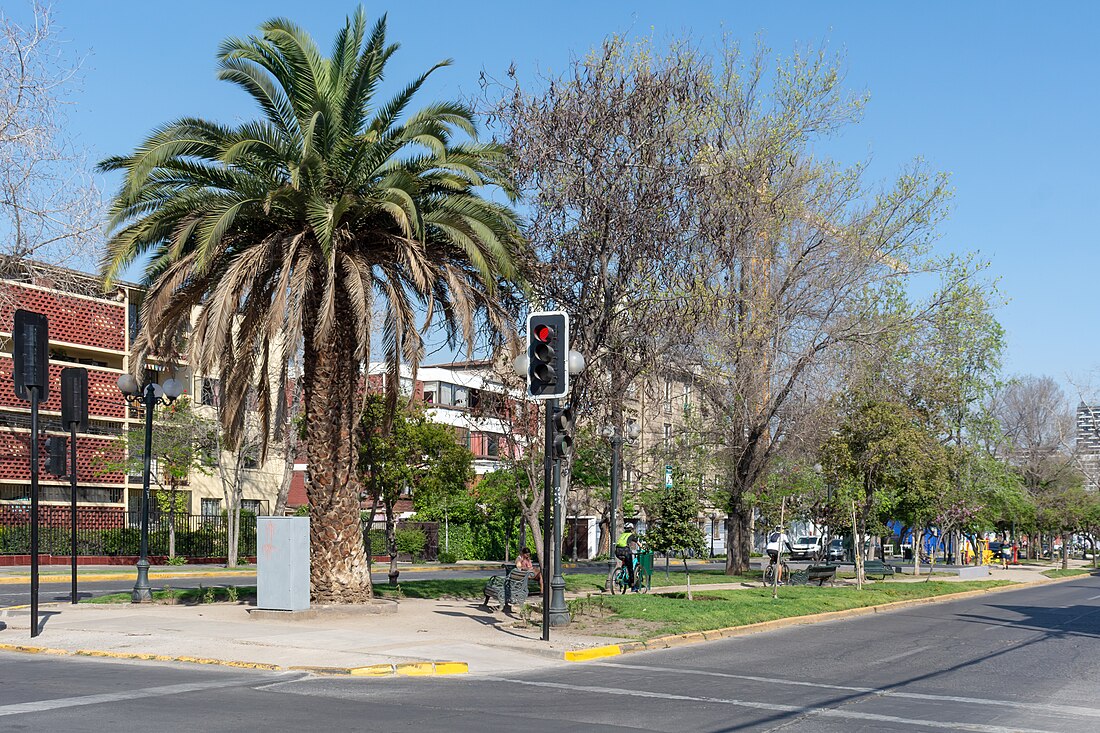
(338, 567)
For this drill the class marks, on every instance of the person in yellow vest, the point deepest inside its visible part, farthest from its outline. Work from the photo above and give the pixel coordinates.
(624, 550)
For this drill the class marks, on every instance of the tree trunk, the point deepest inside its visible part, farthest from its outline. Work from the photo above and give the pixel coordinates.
(738, 539)
(688, 576)
(1092, 543)
(918, 537)
(338, 563)
(172, 523)
(1065, 551)
(391, 543)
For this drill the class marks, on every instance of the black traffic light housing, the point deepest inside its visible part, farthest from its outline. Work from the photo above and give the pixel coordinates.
(57, 463)
(31, 356)
(74, 398)
(547, 354)
(564, 427)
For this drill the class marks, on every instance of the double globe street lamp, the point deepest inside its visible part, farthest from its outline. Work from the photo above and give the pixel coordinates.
(149, 397)
(617, 438)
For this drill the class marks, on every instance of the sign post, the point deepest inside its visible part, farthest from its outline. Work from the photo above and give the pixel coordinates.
(74, 414)
(31, 375)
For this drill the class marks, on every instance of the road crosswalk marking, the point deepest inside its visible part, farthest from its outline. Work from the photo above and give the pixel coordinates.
(878, 691)
(807, 710)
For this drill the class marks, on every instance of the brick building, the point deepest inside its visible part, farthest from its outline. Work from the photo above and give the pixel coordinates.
(94, 330)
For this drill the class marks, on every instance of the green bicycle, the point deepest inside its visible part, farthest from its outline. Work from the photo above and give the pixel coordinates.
(643, 575)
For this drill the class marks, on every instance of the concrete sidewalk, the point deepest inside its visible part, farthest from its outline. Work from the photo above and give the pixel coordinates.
(421, 630)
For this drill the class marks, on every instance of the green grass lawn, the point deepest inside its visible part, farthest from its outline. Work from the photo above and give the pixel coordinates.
(1059, 573)
(187, 596)
(718, 609)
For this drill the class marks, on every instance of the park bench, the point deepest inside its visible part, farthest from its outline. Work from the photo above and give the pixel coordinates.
(508, 590)
(819, 573)
(877, 567)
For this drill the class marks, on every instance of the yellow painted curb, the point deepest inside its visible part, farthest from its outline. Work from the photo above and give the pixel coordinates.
(375, 670)
(415, 669)
(31, 649)
(96, 577)
(451, 668)
(583, 655)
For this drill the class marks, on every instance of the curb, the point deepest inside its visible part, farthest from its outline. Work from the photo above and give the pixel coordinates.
(401, 669)
(11, 580)
(695, 637)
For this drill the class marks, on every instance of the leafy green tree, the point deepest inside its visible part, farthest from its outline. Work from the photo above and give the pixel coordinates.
(184, 443)
(402, 452)
(674, 525)
(883, 460)
(293, 230)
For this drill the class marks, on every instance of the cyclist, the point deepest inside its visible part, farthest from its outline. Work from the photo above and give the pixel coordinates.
(624, 550)
(778, 542)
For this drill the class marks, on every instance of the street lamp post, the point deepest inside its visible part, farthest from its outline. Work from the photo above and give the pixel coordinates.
(616, 438)
(148, 397)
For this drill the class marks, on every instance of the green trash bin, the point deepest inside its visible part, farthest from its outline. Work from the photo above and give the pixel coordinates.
(645, 570)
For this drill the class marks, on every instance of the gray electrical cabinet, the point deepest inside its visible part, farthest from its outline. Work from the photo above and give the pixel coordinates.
(282, 563)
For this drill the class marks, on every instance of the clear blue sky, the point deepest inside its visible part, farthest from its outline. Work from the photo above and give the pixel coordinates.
(1003, 95)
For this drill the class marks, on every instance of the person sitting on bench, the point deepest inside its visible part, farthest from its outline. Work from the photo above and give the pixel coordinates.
(523, 562)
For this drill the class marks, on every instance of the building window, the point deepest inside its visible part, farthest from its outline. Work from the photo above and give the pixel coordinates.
(687, 398)
(668, 436)
(209, 392)
(211, 507)
(492, 445)
(668, 396)
(255, 506)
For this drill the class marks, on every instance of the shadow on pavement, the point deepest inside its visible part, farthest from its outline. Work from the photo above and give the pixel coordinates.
(1053, 621)
(478, 613)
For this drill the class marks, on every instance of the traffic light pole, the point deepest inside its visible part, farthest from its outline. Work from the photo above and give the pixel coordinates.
(548, 515)
(72, 497)
(33, 390)
(559, 610)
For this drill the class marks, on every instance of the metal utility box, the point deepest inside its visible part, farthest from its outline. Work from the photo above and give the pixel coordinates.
(282, 563)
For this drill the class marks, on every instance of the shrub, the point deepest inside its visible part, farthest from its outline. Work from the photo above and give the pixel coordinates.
(447, 558)
(411, 541)
(376, 542)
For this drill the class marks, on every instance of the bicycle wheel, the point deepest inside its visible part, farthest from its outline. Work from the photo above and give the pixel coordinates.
(618, 583)
(645, 582)
(769, 574)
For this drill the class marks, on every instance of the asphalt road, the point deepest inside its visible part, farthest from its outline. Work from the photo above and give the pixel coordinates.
(1016, 661)
(19, 594)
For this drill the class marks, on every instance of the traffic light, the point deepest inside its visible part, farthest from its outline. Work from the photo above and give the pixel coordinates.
(564, 425)
(74, 398)
(56, 456)
(547, 354)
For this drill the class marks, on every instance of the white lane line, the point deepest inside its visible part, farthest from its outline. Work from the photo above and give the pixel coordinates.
(775, 707)
(39, 706)
(1063, 709)
(902, 655)
(1092, 598)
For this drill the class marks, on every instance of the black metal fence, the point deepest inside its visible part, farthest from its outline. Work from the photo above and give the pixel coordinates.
(196, 536)
(374, 539)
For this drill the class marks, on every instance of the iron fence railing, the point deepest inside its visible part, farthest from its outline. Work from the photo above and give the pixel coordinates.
(195, 536)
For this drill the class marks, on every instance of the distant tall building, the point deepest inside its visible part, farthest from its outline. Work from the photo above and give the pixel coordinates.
(1088, 444)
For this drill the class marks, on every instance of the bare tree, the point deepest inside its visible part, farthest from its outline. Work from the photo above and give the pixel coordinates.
(792, 255)
(49, 205)
(1036, 427)
(600, 154)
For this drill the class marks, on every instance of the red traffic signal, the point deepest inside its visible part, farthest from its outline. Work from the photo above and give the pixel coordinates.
(547, 353)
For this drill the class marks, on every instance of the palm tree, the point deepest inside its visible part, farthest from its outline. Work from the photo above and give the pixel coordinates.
(288, 233)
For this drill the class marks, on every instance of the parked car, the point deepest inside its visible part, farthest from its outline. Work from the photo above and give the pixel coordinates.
(836, 551)
(806, 548)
